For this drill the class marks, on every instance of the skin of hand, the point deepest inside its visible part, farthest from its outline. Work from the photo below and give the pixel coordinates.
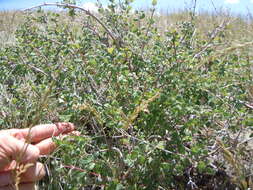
(12, 144)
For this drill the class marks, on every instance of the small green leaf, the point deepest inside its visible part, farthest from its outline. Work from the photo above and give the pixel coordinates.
(160, 145)
(110, 50)
(201, 166)
(91, 166)
(65, 118)
(119, 187)
(154, 2)
(142, 16)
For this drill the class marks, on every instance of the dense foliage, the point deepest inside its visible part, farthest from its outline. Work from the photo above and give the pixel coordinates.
(157, 110)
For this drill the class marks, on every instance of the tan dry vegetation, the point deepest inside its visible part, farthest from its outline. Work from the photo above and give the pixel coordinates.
(9, 20)
(238, 30)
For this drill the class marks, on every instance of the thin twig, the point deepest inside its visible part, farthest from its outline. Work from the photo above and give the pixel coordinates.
(214, 33)
(245, 141)
(123, 132)
(147, 31)
(246, 104)
(72, 167)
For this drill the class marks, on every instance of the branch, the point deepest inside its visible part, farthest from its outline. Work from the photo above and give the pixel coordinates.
(214, 33)
(72, 167)
(246, 104)
(246, 141)
(87, 12)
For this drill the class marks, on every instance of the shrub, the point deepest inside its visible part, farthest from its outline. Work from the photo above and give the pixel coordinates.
(150, 105)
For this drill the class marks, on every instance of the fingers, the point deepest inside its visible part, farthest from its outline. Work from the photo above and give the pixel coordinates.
(47, 146)
(41, 132)
(13, 149)
(28, 186)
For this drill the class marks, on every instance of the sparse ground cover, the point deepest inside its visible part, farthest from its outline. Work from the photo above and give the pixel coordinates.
(162, 102)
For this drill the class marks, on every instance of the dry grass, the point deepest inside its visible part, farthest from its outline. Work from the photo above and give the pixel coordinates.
(238, 31)
(9, 21)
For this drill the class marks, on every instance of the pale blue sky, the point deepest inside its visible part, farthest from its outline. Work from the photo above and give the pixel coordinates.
(236, 6)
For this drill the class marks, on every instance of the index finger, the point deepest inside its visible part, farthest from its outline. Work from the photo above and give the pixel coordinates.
(41, 132)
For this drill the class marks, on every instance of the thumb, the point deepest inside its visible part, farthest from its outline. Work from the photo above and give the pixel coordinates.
(14, 149)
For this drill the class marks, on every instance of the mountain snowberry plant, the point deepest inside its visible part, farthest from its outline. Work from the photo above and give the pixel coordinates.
(150, 104)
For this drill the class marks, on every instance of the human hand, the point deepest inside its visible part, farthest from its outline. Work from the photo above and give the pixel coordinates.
(13, 149)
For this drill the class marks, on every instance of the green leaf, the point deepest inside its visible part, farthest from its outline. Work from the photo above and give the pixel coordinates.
(91, 166)
(142, 16)
(110, 50)
(201, 166)
(65, 118)
(161, 145)
(154, 2)
(120, 187)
